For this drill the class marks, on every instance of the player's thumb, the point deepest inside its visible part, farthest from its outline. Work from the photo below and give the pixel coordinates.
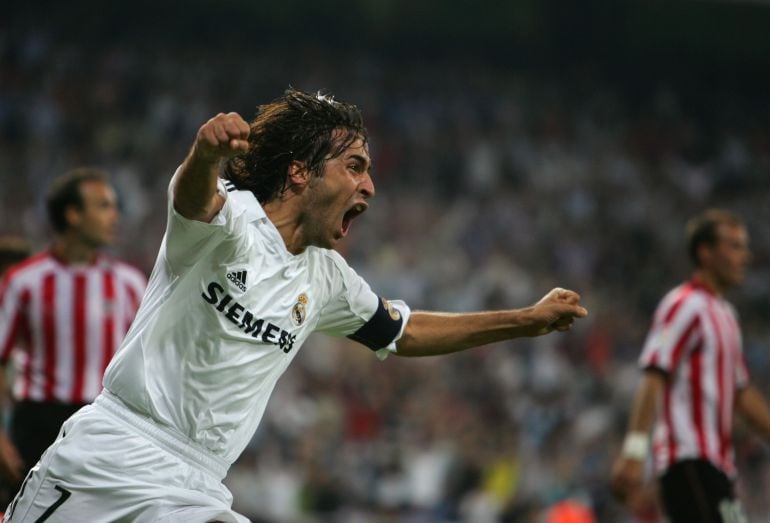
(578, 311)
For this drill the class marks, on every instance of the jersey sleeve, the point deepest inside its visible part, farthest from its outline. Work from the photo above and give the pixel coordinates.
(187, 241)
(12, 303)
(673, 334)
(358, 313)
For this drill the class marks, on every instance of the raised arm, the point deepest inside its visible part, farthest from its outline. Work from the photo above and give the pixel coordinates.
(195, 191)
(433, 333)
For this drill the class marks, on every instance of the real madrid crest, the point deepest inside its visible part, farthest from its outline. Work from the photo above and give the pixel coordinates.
(298, 312)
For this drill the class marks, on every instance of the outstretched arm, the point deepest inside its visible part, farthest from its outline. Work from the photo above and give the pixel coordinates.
(195, 191)
(754, 409)
(433, 333)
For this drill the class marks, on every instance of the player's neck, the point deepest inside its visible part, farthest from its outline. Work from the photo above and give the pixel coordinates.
(284, 217)
(73, 252)
(710, 281)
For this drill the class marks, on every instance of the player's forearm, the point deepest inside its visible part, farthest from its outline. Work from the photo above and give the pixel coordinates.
(754, 409)
(637, 441)
(195, 190)
(434, 333)
(646, 402)
(5, 396)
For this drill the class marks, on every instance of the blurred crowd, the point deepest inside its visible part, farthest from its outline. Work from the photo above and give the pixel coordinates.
(493, 186)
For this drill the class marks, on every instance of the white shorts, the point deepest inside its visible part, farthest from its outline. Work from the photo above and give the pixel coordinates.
(109, 464)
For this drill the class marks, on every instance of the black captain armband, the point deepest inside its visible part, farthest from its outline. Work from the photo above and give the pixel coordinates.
(382, 328)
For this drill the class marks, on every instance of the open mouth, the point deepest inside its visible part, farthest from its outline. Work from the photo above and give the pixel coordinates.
(352, 213)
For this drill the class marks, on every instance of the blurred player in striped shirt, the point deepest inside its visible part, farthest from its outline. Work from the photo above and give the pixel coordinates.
(63, 313)
(695, 377)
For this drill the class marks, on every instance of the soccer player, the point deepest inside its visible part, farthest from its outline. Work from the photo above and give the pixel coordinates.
(63, 314)
(695, 375)
(245, 273)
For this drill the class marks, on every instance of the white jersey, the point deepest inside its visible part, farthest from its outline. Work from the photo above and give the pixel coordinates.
(226, 310)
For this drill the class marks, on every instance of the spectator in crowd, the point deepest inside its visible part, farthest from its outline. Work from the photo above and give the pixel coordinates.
(695, 377)
(63, 313)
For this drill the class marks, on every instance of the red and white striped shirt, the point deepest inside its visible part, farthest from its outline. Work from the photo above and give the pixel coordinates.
(696, 340)
(62, 324)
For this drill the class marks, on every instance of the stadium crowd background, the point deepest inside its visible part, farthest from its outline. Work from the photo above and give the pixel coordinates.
(507, 160)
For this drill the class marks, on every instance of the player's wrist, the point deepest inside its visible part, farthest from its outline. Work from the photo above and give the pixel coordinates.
(530, 322)
(636, 445)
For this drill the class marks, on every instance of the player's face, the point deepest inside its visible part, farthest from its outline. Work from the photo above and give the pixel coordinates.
(731, 255)
(97, 221)
(339, 196)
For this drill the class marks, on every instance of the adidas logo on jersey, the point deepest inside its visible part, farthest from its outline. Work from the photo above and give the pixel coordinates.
(238, 278)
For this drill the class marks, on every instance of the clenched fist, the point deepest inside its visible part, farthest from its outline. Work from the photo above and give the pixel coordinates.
(555, 311)
(222, 137)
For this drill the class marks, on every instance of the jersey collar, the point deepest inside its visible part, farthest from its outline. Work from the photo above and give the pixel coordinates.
(697, 283)
(256, 215)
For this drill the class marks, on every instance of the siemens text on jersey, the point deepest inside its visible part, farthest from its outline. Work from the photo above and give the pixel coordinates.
(245, 320)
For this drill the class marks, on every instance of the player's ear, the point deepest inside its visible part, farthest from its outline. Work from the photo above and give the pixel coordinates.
(703, 254)
(72, 216)
(298, 174)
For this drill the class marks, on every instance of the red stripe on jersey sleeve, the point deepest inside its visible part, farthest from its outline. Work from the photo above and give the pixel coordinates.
(108, 340)
(683, 295)
(25, 373)
(689, 332)
(49, 334)
(726, 394)
(79, 341)
(696, 394)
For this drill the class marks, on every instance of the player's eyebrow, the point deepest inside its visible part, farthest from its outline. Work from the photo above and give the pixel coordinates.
(363, 160)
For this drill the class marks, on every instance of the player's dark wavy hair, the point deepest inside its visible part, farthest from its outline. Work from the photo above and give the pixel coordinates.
(702, 230)
(296, 127)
